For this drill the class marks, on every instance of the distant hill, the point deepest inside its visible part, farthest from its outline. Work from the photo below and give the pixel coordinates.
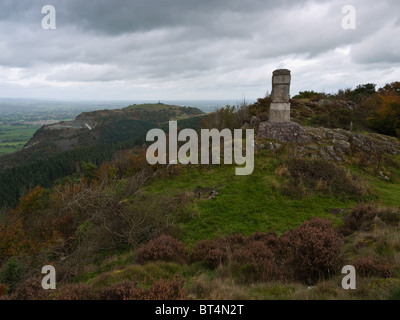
(96, 128)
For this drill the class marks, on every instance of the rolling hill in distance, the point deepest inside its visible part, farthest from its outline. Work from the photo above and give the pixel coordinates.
(95, 128)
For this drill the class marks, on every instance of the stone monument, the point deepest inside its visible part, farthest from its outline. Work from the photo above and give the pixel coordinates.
(279, 127)
(280, 106)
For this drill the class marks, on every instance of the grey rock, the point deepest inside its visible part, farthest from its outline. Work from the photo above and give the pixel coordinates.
(331, 151)
(274, 146)
(312, 147)
(259, 146)
(324, 155)
(254, 122)
(245, 126)
(283, 132)
(342, 146)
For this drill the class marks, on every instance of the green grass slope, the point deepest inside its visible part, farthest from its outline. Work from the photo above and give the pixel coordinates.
(246, 204)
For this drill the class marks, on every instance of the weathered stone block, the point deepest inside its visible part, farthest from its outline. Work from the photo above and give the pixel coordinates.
(279, 112)
(280, 106)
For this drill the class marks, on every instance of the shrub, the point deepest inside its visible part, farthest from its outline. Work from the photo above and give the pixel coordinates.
(359, 216)
(166, 290)
(164, 248)
(270, 239)
(79, 291)
(215, 257)
(363, 216)
(316, 173)
(214, 252)
(3, 289)
(367, 267)
(125, 290)
(12, 239)
(11, 274)
(312, 251)
(228, 117)
(115, 224)
(209, 251)
(315, 96)
(161, 290)
(254, 258)
(35, 201)
(260, 257)
(386, 119)
(261, 106)
(233, 241)
(31, 289)
(390, 216)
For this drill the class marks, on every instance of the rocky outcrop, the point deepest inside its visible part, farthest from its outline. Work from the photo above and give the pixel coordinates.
(284, 132)
(328, 144)
(340, 141)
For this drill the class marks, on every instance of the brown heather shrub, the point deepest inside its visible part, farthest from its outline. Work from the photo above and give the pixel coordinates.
(161, 290)
(31, 289)
(312, 251)
(215, 257)
(164, 248)
(125, 290)
(363, 215)
(233, 241)
(270, 239)
(214, 252)
(80, 291)
(260, 257)
(166, 290)
(306, 254)
(368, 267)
(210, 252)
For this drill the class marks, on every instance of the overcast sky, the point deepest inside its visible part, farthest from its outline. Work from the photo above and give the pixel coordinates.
(193, 49)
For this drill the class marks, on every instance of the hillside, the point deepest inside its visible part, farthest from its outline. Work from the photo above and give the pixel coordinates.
(195, 203)
(94, 128)
(319, 198)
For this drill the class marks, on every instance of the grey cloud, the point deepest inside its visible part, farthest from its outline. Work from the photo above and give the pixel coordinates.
(221, 44)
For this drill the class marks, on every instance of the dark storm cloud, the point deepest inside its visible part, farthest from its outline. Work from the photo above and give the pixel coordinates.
(116, 17)
(197, 45)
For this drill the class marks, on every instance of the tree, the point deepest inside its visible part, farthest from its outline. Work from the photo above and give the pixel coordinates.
(90, 170)
(365, 89)
(390, 89)
(390, 113)
(387, 118)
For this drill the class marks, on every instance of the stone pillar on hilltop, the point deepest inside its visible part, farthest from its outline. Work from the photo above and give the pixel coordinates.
(279, 127)
(280, 105)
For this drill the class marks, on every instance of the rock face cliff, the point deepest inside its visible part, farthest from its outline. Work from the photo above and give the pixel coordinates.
(328, 144)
